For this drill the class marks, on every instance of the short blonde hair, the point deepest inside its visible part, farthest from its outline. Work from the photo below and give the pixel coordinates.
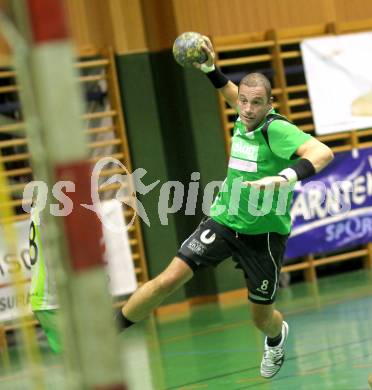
(255, 80)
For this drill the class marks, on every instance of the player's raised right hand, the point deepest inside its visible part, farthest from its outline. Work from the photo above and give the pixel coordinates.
(209, 51)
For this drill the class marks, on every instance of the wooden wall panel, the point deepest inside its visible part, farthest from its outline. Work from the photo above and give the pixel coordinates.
(78, 23)
(5, 51)
(100, 23)
(160, 23)
(221, 17)
(347, 10)
(90, 24)
(128, 26)
(140, 25)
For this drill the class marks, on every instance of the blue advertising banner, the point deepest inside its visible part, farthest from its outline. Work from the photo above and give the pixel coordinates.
(333, 209)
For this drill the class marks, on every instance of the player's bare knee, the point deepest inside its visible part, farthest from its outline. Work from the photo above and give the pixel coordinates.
(176, 274)
(166, 283)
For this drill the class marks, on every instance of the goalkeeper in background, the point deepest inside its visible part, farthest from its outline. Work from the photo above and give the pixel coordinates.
(43, 290)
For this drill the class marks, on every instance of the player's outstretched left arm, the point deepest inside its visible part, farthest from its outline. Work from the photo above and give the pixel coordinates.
(319, 154)
(228, 89)
(314, 156)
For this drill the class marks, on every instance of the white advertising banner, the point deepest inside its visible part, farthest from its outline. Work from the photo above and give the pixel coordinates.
(120, 267)
(11, 299)
(339, 79)
(120, 264)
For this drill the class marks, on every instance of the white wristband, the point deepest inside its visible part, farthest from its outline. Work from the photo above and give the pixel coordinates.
(290, 174)
(206, 69)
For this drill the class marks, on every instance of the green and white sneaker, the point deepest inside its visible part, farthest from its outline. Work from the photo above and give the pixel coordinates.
(273, 357)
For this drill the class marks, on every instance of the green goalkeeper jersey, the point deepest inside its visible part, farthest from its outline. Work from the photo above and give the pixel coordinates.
(43, 289)
(251, 211)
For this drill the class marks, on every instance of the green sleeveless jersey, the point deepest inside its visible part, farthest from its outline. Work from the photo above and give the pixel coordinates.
(43, 289)
(252, 211)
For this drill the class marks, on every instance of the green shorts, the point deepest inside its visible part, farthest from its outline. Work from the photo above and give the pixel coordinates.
(48, 320)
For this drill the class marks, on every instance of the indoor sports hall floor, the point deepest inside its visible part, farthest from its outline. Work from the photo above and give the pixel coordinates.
(330, 344)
